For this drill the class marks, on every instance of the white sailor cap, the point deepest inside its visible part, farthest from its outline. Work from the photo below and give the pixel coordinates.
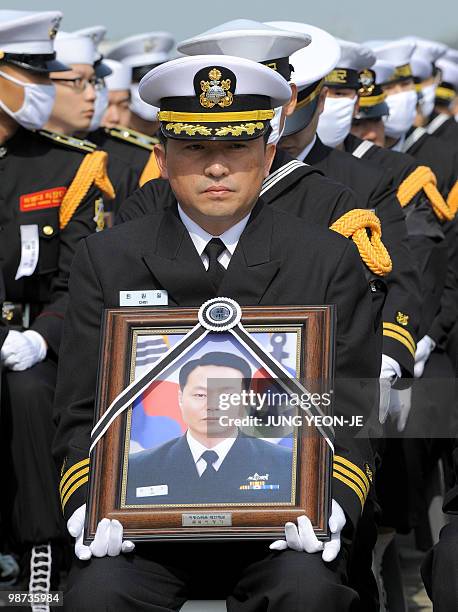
(448, 87)
(214, 97)
(120, 77)
(383, 71)
(397, 52)
(96, 34)
(251, 40)
(146, 49)
(27, 39)
(426, 53)
(72, 48)
(310, 65)
(452, 55)
(353, 59)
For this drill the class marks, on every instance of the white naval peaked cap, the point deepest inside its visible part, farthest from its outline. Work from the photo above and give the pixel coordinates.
(355, 56)
(449, 70)
(120, 77)
(28, 32)
(72, 48)
(426, 53)
(397, 52)
(317, 59)
(452, 55)
(176, 79)
(383, 71)
(96, 32)
(245, 38)
(143, 49)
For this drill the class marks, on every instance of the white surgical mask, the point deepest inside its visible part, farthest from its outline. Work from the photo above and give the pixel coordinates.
(334, 123)
(101, 105)
(140, 108)
(276, 132)
(428, 94)
(37, 107)
(402, 108)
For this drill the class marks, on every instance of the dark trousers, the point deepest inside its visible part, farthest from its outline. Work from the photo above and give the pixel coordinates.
(31, 510)
(440, 570)
(161, 577)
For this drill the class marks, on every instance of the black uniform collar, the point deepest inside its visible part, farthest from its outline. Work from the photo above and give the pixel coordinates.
(319, 152)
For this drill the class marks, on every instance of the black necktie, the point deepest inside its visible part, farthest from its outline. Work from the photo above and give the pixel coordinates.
(215, 270)
(210, 457)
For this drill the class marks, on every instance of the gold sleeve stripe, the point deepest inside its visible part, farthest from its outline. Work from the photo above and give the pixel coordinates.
(93, 169)
(402, 331)
(72, 479)
(73, 469)
(150, 171)
(77, 485)
(395, 336)
(350, 475)
(352, 466)
(355, 225)
(350, 484)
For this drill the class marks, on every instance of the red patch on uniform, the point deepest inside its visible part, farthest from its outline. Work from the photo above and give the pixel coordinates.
(48, 198)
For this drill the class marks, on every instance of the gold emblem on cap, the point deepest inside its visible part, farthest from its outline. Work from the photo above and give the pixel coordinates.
(54, 29)
(215, 91)
(366, 78)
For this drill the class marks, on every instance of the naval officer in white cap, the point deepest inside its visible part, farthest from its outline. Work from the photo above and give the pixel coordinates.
(216, 238)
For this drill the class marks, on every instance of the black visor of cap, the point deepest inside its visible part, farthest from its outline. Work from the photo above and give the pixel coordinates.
(139, 72)
(36, 63)
(101, 69)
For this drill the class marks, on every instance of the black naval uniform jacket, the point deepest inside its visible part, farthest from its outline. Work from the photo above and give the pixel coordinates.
(401, 312)
(35, 172)
(427, 241)
(443, 127)
(279, 260)
(133, 148)
(249, 459)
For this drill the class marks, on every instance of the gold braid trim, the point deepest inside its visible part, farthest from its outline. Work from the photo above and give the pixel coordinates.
(93, 169)
(354, 224)
(452, 199)
(424, 178)
(150, 171)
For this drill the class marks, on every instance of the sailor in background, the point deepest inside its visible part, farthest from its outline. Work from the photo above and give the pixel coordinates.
(53, 191)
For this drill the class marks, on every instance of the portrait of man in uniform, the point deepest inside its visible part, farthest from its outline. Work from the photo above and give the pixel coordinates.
(213, 461)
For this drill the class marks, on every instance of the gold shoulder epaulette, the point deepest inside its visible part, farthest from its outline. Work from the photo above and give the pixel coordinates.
(150, 171)
(355, 224)
(93, 169)
(69, 141)
(135, 138)
(423, 178)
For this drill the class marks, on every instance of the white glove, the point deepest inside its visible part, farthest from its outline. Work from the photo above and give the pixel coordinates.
(22, 350)
(107, 540)
(400, 402)
(303, 538)
(389, 373)
(424, 349)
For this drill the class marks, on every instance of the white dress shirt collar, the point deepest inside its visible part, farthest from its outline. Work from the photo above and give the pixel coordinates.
(303, 154)
(201, 238)
(196, 448)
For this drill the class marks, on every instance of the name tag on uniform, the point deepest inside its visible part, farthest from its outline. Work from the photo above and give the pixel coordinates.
(152, 491)
(30, 249)
(151, 297)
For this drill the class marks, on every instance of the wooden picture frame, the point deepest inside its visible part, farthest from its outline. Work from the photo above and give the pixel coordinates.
(311, 328)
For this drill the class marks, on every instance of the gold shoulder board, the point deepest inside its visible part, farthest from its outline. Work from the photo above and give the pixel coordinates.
(135, 138)
(69, 141)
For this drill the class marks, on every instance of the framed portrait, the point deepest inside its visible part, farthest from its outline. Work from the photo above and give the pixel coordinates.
(212, 431)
